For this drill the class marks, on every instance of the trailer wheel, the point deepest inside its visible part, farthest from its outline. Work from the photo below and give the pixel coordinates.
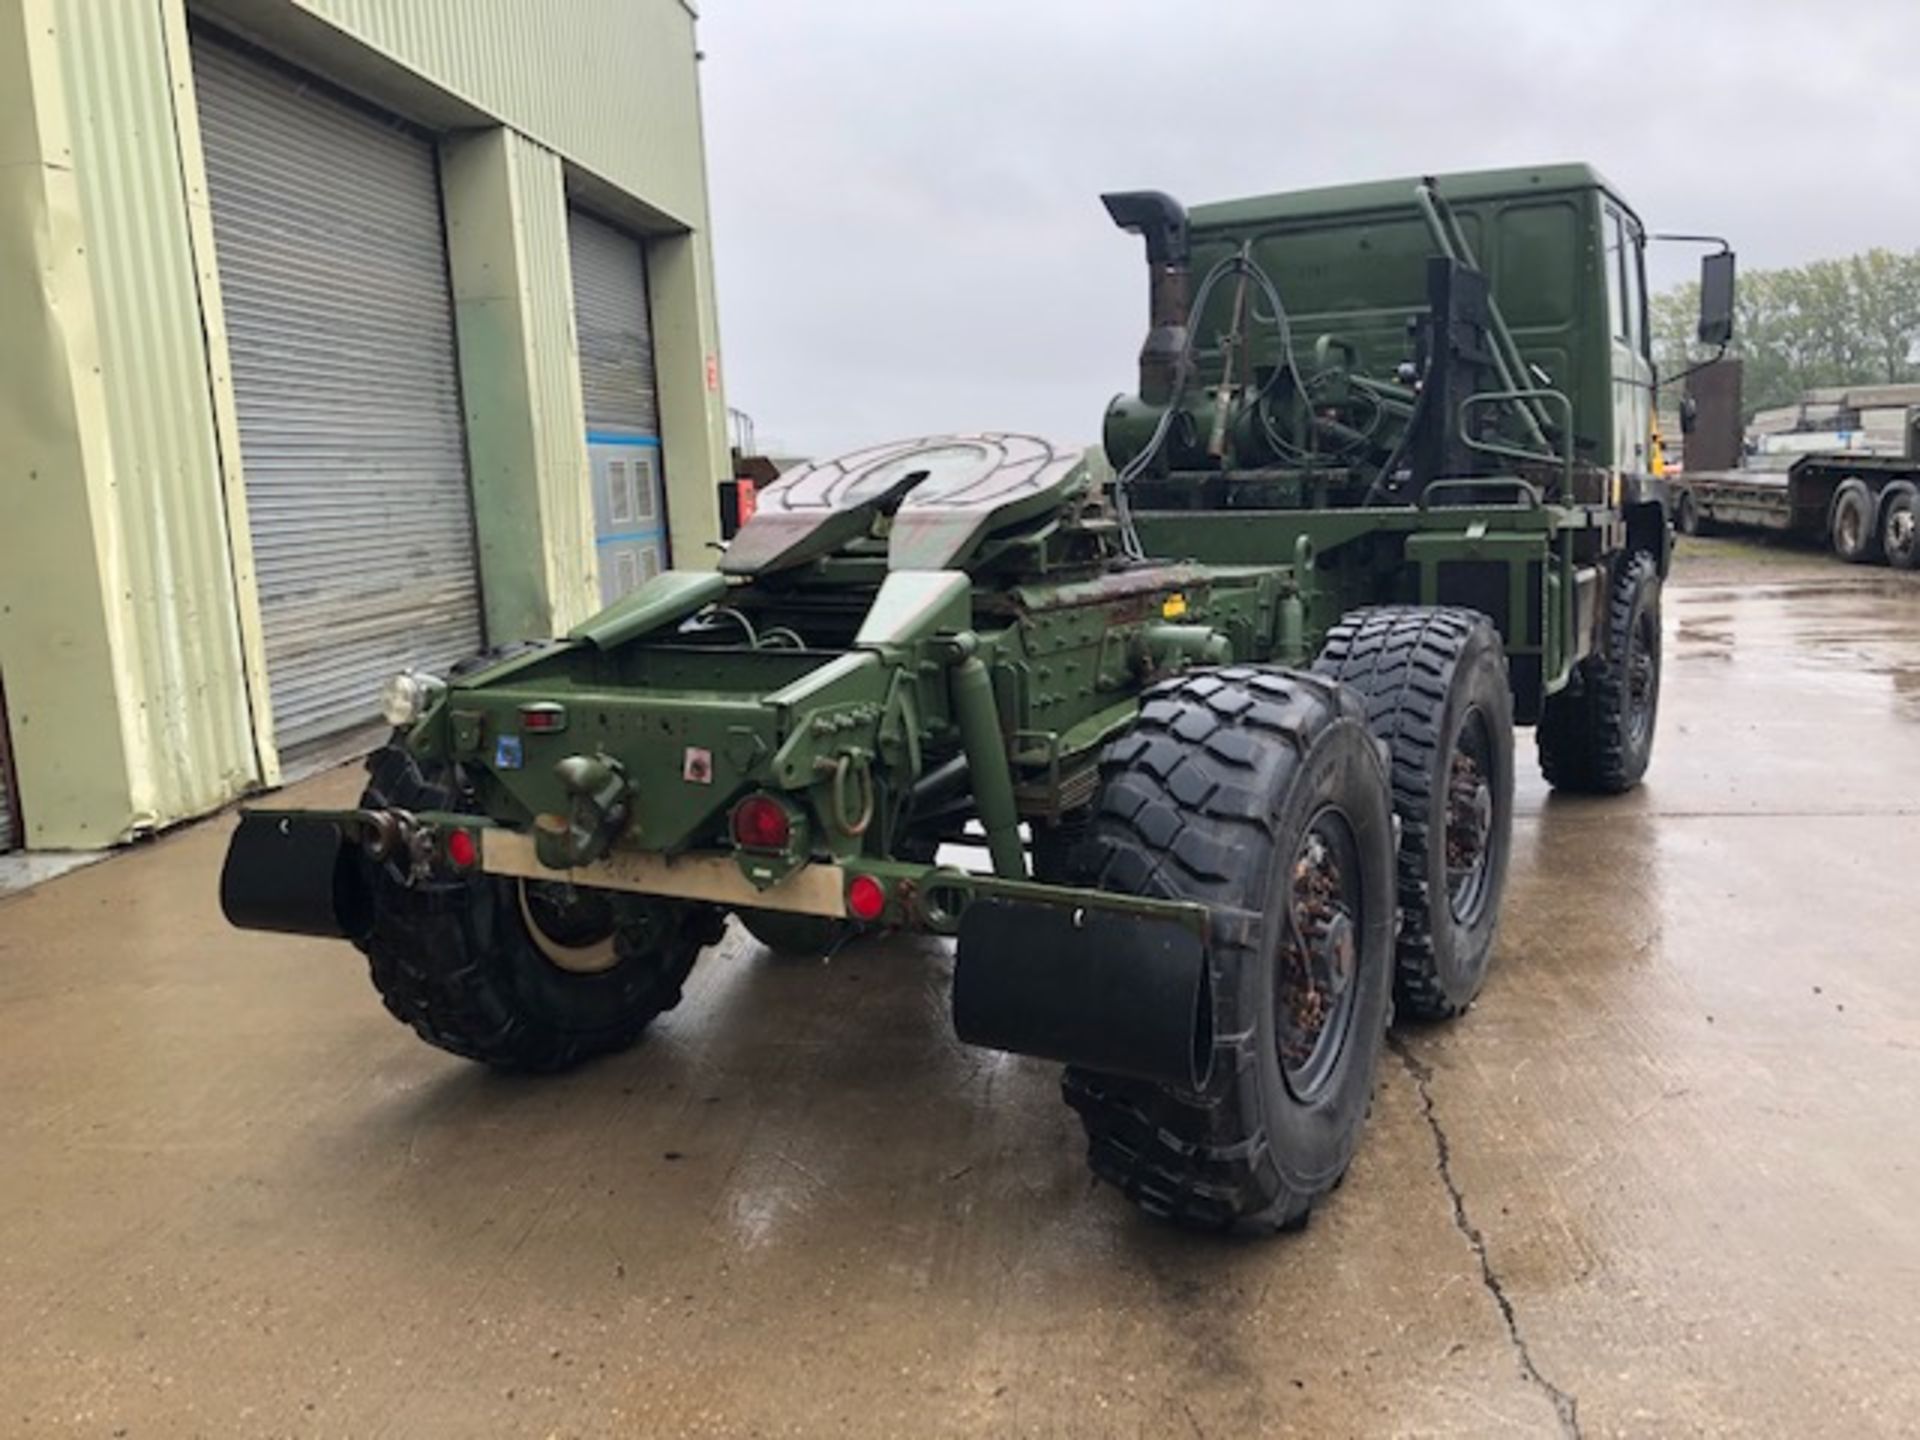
(1596, 736)
(518, 976)
(1259, 793)
(1686, 514)
(1900, 526)
(1856, 538)
(1435, 686)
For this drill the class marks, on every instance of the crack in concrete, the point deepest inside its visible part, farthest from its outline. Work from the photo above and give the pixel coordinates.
(1566, 1406)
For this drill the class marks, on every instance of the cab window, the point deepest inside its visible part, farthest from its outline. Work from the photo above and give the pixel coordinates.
(1632, 261)
(1615, 235)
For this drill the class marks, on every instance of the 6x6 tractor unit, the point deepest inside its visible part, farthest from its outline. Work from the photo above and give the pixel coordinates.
(1229, 707)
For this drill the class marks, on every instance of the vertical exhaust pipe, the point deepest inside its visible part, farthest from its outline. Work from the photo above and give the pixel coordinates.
(1162, 222)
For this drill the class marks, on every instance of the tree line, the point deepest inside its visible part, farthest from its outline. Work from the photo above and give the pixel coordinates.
(1829, 322)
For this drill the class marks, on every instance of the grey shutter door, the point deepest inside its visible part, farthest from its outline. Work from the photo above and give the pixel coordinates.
(622, 405)
(333, 274)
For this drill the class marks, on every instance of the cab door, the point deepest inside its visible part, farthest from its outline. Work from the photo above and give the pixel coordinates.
(1629, 346)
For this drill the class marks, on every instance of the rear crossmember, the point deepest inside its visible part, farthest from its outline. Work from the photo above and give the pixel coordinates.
(1123, 986)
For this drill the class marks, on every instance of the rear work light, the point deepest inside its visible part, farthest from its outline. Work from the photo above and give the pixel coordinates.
(761, 822)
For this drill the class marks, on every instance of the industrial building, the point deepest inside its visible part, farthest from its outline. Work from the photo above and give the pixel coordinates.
(341, 335)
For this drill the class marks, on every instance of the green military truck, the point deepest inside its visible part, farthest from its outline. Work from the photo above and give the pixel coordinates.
(1230, 706)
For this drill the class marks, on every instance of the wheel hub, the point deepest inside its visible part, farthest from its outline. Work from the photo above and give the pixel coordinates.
(1470, 819)
(1320, 955)
(574, 932)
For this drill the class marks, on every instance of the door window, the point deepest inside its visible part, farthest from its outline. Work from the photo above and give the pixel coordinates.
(1616, 273)
(1633, 260)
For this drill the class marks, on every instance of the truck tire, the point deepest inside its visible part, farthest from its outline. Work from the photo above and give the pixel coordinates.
(1855, 535)
(1262, 794)
(1434, 683)
(1686, 514)
(1596, 736)
(1900, 526)
(517, 976)
(796, 937)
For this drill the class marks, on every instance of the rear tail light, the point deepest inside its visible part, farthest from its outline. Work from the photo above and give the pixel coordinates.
(866, 898)
(463, 850)
(761, 822)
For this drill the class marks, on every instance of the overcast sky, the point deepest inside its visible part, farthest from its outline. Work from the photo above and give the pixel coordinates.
(905, 209)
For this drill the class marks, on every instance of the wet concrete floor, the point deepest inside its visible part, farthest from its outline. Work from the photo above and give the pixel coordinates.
(1663, 1180)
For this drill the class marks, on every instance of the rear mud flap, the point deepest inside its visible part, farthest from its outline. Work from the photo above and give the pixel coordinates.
(1107, 991)
(297, 876)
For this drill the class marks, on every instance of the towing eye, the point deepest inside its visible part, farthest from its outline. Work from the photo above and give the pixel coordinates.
(841, 767)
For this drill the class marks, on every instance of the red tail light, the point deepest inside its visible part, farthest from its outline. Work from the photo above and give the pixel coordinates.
(463, 851)
(761, 822)
(866, 898)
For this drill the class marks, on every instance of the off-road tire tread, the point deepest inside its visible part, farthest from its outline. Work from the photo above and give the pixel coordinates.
(1400, 660)
(1186, 811)
(433, 953)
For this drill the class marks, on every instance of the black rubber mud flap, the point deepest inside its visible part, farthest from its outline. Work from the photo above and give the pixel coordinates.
(1110, 992)
(297, 876)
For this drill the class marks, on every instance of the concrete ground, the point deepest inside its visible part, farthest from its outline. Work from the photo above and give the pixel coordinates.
(1663, 1180)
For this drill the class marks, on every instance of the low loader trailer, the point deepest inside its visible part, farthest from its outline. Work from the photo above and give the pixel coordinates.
(1866, 508)
(1230, 704)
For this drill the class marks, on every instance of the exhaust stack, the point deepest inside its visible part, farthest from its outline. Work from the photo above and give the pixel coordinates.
(1162, 222)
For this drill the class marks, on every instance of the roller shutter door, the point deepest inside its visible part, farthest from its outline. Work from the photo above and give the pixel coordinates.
(622, 407)
(333, 274)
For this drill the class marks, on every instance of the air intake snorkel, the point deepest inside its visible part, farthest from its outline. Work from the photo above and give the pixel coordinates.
(1162, 222)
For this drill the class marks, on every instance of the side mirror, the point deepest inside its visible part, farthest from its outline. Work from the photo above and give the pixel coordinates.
(1716, 299)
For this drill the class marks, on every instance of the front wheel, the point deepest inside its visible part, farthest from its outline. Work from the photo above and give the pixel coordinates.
(1596, 735)
(1261, 794)
(517, 975)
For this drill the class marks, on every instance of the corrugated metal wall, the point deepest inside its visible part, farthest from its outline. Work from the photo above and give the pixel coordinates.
(152, 576)
(168, 544)
(609, 84)
(340, 327)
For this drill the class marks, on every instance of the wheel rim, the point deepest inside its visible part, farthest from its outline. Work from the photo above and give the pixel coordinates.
(1642, 679)
(572, 929)
(1319, 959)
(1470, 828)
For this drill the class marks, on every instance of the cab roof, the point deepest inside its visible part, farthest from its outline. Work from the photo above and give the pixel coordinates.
(1379, 195)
